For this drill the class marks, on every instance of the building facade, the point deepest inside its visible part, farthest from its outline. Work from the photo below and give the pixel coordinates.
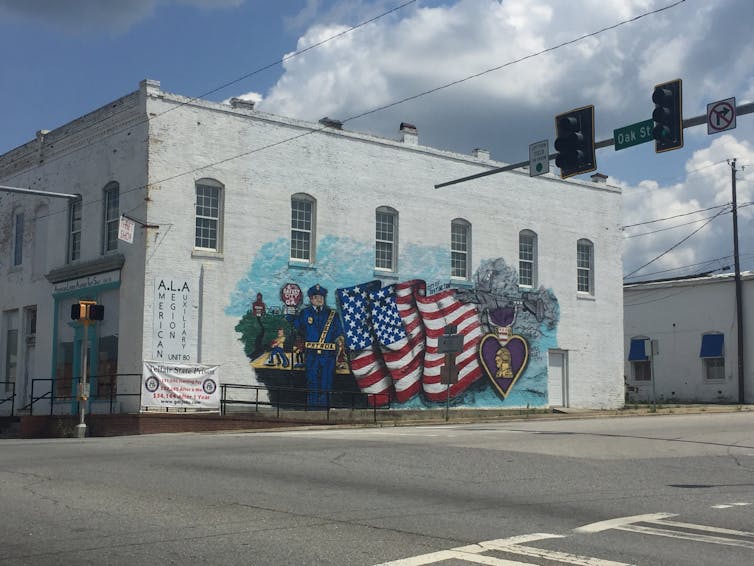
(681, 340)
(238, 214)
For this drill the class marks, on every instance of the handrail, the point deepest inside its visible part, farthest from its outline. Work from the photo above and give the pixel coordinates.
(12, 397)
(368, 400)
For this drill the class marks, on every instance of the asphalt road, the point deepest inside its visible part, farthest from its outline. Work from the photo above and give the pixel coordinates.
(675, 490)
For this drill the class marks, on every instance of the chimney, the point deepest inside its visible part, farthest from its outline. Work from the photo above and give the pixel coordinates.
(409, 134)
(331, 123)
(599, 178)
(241, 103)
(483, 154)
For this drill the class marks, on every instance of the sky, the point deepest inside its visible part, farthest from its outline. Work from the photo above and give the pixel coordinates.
(468, 73)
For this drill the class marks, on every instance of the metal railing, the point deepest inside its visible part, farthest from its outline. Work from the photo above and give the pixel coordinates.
(297, 398)
(9, 397)
(103, 391)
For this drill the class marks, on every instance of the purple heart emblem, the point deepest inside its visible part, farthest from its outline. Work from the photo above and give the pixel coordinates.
(503, 362)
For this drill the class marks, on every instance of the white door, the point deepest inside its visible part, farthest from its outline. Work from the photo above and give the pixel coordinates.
(557, 379)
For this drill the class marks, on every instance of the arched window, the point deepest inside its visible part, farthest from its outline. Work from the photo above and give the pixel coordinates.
(303, 224)
(209, 215)
(527, 258)
(585, 266)
(18, 236)
(386, 239)
(75, 211)
(460, 248)
(111, 216)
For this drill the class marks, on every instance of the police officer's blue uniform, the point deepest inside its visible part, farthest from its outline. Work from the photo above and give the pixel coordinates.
(320, 327)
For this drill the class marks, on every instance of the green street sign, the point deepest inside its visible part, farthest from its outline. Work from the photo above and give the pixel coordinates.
(641, 132)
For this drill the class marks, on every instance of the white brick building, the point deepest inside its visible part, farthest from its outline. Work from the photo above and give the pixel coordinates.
(692, 323)
(231, 202)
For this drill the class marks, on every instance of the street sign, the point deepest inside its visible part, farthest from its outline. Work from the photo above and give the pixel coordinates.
(721, 115)
(126, 229)
(539, 160)
(635, 134)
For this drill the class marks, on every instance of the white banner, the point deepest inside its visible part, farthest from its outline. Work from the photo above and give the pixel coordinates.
(186, 386)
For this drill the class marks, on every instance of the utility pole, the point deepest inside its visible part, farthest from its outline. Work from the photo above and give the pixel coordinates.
(739, 294)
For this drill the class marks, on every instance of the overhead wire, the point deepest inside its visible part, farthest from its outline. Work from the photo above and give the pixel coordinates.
(403, 100)
(674, 246)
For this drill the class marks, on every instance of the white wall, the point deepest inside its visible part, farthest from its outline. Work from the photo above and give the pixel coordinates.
(677, 314)
(350, 175)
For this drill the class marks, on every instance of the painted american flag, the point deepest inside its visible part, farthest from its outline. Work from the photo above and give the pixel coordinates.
(367, 365)
(393, 333)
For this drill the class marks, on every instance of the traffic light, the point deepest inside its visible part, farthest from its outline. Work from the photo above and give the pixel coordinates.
(96, 312)
(668, 116)
(77, 310)
(574, 142)
(87, 310)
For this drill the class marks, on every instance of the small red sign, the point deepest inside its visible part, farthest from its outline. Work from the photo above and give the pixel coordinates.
(291, 295)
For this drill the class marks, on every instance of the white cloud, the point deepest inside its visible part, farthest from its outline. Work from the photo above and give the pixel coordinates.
(707, 183)
(427, 46)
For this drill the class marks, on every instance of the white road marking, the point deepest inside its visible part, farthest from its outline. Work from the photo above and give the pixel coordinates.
(706, 528)
(620, 521)
(729, 505)
(473, 553)
(687, 536)
(558, 556)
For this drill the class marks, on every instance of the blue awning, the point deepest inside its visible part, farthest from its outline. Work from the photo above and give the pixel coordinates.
(712, 346)
(637, 352)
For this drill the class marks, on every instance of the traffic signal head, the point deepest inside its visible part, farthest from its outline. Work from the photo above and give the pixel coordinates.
(87, 310)
(96, 312)
(668, 116)
(574, 142)
(78, 311)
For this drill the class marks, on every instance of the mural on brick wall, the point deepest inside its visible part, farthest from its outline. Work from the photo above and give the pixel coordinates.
(352, 339)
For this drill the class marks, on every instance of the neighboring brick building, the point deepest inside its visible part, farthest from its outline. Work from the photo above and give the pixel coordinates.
(232, 204)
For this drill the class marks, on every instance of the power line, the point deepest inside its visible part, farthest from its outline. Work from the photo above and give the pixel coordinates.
(675, 216)
(675, 226)
(673, 246)
(233, 81)
(389, 105)
(513, 62)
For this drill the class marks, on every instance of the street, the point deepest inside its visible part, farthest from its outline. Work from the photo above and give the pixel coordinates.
(670, 490)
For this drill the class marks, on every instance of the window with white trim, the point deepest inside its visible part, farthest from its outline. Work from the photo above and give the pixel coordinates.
(75, 210)
(585, 266)
(209, 215)
(527, 258)
(111, 216)
(460, 249)
(303, 223)
(638, 357)
(713, 355)
(386, 239)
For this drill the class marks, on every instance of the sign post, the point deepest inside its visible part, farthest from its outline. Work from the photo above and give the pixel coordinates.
(449, 344)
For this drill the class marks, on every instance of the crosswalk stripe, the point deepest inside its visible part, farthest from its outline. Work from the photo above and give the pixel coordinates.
(620, 521)
(559, 556)
(705, 528)
(687, 536)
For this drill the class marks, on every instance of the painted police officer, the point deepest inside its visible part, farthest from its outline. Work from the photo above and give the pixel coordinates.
(320, 326)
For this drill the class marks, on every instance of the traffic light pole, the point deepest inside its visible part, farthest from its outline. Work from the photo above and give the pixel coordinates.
(688, 123)
(83, 386)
